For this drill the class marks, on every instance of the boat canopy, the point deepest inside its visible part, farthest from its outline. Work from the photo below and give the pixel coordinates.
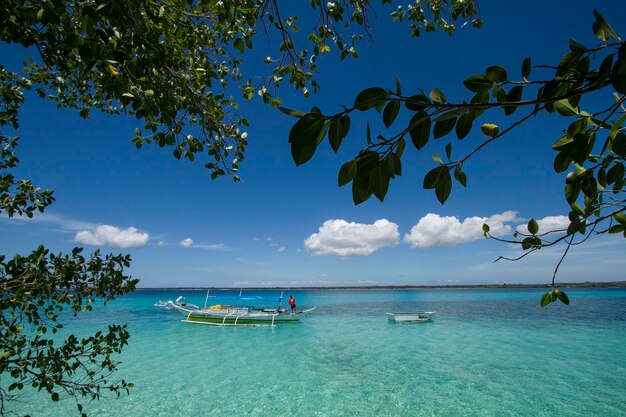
(247, 298)
(242, 297)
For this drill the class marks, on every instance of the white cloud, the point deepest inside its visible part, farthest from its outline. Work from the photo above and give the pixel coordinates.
(547, 224)
(281, 249)
(433, 230)
(189, 243)
(214, 246)
(186, 243)
(338, 237)
(106, 235)
(61, 222)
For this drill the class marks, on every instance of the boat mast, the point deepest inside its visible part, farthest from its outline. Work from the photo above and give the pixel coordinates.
(206, 300)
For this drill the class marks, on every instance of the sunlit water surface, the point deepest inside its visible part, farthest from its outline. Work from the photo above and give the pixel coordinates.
(487, 353)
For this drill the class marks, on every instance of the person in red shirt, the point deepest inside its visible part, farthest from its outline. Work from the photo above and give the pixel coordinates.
(292, 303)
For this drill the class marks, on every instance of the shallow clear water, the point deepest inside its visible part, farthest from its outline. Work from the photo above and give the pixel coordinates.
(487, 353)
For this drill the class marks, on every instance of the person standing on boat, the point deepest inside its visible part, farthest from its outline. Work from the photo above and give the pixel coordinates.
(292, 303)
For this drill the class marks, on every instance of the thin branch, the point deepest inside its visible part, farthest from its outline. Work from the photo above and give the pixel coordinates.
(556, 269)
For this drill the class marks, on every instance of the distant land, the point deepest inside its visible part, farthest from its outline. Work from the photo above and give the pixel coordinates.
(610, 284)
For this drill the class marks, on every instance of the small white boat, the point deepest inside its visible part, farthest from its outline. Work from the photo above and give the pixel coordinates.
(411, 317)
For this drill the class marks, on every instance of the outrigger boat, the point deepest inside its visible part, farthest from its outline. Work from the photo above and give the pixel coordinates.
(411, 317)
(234, 315)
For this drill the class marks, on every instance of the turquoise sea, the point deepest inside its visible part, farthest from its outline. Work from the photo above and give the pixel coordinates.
(489, 352)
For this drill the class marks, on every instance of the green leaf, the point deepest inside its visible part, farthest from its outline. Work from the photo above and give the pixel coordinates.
(604, 71)
(417, 103)
(602, 29)
(577, 209)
(398, 87)
(370, 97)
(572, 191)
(620, 217)
(337, 131)
(498, 93)
(391, 112)
(576, 127)
(562, 296)
(531, 242)
(434, 176)
(615, 174)
(482, 97)
(239, 45)
(486, 228)
(304, 137)
(564, 108)
(489, 129)
(617, 228)
(545, 299)
(361, 190)
(365, 163)
(561, 162)
(335, 134)
(449, 115)
(568, 62)
(443, 127)
(443, 189)
(526, 67)
(464, 125)
(401, 146)
(618, 75)
(514, 96)
(347, 172)
(460, 176)
(379, 182)
(394, 165)
(419, 129)
(291, 112)
(533, 227)
(437, 95)
(576, 46)
(496, 74)
(477, 83)
(618, 144)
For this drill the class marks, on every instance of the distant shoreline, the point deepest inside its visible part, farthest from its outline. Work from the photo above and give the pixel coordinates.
(610, 284)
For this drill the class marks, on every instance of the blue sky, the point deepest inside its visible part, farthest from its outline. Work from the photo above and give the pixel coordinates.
(293, 226)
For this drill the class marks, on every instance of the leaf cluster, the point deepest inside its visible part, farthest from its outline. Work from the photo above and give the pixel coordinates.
(177, 66)
(36, 290)
(593, 146)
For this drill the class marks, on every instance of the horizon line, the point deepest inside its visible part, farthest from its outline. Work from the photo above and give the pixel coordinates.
(585, 284)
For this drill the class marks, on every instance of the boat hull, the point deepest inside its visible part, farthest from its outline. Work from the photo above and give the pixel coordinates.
(241, 319)
(234, 316)
(411, 317)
